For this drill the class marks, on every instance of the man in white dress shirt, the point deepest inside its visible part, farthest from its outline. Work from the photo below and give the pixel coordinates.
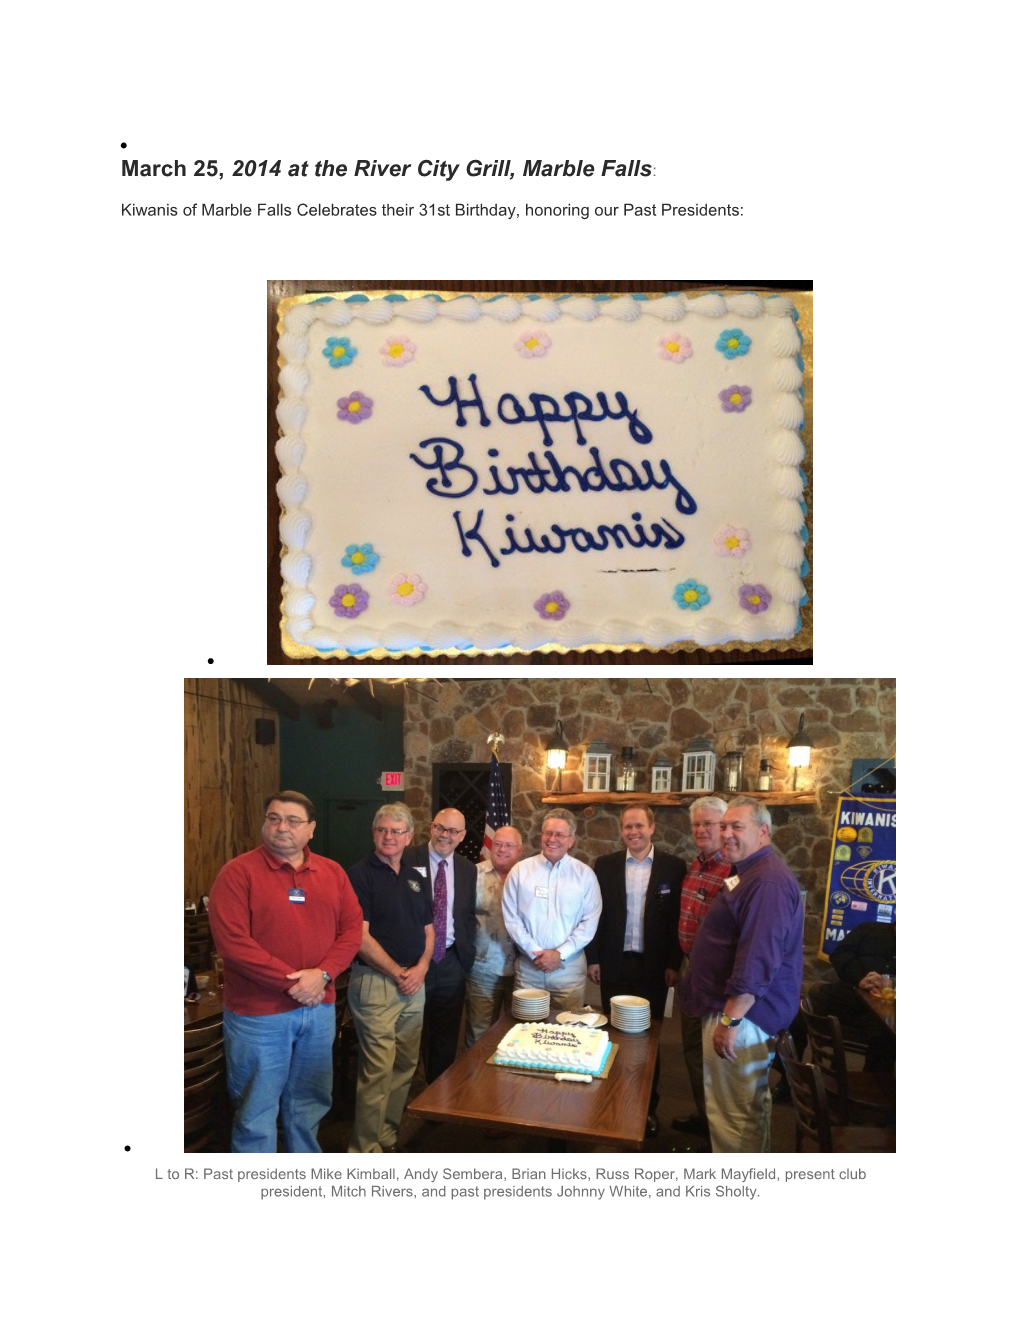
(551, 905)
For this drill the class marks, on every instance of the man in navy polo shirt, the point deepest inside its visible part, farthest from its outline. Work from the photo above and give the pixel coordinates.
(387, 990)
(286, 923)
(745, 976)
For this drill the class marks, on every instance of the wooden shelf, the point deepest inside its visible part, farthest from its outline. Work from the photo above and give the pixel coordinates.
(802, 798)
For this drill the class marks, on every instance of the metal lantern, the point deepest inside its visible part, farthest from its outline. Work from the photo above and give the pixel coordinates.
(733, 772)
(662, 775)
(556, 754)
(799, 748)
(699, 766)
(598, 767)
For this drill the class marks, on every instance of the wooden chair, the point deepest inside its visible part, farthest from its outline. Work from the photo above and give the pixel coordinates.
(205, 1096)
(855, 1041)
(813, 1117)
(854, 1097)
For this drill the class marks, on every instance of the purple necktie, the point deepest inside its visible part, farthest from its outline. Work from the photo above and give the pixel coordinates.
(439, 913)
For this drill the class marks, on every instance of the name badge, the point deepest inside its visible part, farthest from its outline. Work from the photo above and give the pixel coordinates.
(422, 871)
(664, 890)
(296, 895)
(541, 891)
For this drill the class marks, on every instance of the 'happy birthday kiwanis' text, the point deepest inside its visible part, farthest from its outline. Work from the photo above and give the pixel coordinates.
(542, 473)
(384, 1182)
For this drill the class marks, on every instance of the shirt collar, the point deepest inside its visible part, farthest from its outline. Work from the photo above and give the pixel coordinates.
(741, 867)
(719, 856)
(644, 860)
(278, 863)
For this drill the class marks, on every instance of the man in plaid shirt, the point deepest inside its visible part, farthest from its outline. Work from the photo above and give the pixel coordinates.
(704, 879)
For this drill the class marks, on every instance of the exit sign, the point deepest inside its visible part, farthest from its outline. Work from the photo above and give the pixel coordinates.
(393, 780)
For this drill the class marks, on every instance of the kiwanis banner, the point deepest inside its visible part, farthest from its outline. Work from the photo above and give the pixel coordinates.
(862, 868)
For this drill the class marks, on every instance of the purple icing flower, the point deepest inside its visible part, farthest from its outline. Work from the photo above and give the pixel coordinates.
(356, 407)
(675, 348)
(553, 605)
(533, 343)
(735, 398)
(755, 598)
(349, 601)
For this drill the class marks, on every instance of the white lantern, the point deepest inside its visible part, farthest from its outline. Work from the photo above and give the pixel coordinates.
(598, 767)
(699, 766)
(662, 775)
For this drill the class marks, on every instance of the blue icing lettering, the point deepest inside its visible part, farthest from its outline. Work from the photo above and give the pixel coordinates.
(442, 485)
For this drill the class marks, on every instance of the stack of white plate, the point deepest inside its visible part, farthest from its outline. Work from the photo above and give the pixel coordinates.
(629, 1013)
(531, 1005)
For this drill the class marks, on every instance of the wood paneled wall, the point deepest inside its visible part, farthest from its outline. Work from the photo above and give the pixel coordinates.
(226, 776)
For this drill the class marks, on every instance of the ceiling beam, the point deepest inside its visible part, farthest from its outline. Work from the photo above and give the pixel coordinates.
(284, 704)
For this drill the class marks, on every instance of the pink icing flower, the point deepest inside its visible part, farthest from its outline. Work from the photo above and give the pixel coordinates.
(675, 348)
(407, 589)
(533, 343)
(398, 351)
(735, 541)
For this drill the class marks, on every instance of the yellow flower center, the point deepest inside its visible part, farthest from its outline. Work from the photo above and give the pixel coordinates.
(531, 343)
(733, 343)
(339, 350)
(690, 595)
(396, 350)
(732, 542)
(348, 599)
(357, 557)
(551, 607)
(755, 600)
(405, 589)
(735, 398)
(354, 406)
(672, 347)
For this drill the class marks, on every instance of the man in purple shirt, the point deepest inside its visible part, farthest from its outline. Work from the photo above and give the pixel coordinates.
(745, 979)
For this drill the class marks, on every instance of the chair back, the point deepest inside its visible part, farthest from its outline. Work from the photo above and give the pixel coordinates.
(825, 1036)
(810, 1109)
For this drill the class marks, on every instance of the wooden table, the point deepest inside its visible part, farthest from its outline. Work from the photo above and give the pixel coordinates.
(608, 1112)
(209, 1006)
(883, 1009)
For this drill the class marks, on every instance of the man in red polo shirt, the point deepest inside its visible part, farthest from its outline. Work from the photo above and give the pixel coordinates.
(286, 923)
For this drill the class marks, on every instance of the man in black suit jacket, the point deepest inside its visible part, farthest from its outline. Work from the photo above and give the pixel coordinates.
(636, 949)
(456, 926)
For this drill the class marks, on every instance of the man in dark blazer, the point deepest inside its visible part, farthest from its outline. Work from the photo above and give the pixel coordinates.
(451, 882)
(636, 949)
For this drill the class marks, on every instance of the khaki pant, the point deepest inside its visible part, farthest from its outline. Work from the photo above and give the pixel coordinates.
(567, 986)
(737, 1096)
(389, 1033)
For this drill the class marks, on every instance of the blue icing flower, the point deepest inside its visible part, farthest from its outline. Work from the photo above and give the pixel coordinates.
(360, 558)
(691, 595)
(733, 343)
(339, 352)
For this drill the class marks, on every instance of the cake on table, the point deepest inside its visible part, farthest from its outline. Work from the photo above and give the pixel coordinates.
(553, 1048)
(523, 473)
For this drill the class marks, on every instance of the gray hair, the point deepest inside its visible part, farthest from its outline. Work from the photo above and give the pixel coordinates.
(760, 813)
(561, 813)
(707, 804)
(394, 811)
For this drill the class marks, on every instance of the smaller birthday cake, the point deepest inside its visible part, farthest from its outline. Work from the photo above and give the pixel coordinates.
(553, 1048)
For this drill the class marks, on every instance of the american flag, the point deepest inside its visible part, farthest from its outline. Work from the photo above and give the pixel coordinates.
(496, 814)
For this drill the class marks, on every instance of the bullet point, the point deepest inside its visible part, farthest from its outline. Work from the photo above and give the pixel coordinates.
(127, 1147)
(123, 144)
(209, 661)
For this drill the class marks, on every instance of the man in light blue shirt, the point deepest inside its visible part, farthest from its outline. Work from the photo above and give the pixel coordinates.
(551, 905)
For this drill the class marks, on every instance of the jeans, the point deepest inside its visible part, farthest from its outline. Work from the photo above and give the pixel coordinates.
(281, 1063)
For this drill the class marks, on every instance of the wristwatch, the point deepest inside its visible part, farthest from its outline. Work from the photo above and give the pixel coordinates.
(326, 977)
(727, 1021)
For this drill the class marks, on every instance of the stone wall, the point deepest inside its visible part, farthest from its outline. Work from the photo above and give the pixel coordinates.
(845, 718)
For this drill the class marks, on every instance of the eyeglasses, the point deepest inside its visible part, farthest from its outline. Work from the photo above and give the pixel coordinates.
(381, 829)
(560, 838)
(505, 847)
(451, 834)
(292, 822)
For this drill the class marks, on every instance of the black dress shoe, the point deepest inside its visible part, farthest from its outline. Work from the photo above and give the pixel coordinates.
(693, 1123)
(651, 1126)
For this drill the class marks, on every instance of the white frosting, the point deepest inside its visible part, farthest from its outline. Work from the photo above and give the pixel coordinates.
(553, 1048)
(346, 484)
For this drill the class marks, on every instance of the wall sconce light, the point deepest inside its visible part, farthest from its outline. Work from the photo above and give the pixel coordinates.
(799, 748)
(556, 755)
